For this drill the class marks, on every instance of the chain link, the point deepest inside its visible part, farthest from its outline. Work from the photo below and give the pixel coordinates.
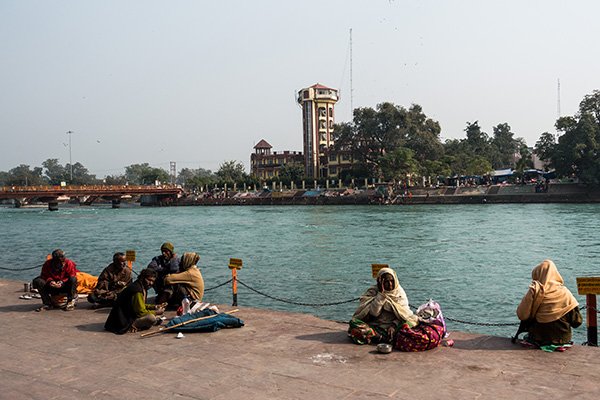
(218, 286)
(481, 323)
(294, 302)
(21, 269)
(591, 308)
(474, 323)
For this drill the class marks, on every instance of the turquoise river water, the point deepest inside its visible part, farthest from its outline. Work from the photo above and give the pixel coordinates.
(476, 260)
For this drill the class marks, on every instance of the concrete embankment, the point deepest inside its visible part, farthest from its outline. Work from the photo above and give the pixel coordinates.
(495, 194)
(276, 355)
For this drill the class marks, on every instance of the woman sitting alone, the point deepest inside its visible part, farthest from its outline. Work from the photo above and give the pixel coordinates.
(548, 309)
(382, 310)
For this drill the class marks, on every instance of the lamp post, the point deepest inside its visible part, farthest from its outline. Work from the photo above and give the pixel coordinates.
(70, 158)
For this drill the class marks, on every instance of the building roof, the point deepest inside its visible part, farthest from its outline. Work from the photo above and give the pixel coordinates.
(263, 144)
(319, 86)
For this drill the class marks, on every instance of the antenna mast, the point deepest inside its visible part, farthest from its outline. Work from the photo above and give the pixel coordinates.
(351, 89)
(558, 100)
(557, 105)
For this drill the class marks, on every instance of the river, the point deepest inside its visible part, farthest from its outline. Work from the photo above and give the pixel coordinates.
(475, 260)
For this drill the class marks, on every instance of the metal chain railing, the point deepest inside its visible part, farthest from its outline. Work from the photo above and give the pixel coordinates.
(21, 269)
(295, 302)
(322, 304)
(474, 323)
(218, 286)
(481, 323)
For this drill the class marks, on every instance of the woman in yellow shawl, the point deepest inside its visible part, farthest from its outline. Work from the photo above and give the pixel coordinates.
(383, 308)
(548, 310)
(187, 282)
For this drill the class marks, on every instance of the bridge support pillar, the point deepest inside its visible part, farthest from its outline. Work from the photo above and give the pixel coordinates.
(53, 205)
(116, 203)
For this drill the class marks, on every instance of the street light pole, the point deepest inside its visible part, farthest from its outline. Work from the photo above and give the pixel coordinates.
(70, 158)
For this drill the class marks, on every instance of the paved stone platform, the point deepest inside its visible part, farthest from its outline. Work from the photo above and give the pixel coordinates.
(277, 355)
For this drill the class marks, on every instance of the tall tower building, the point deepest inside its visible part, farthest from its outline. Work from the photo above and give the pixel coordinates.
(317, 103)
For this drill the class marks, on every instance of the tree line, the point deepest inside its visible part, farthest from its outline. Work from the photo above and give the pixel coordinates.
(53, 173)
(392, 142)
(389, 142)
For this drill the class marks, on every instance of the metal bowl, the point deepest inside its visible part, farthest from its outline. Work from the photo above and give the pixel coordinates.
(384, 348)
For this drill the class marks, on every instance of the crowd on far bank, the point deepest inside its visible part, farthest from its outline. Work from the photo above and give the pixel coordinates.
(548, 310)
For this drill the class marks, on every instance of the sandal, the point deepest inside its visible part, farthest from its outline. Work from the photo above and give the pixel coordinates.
(70, 306)
(133, 329)
(44, 308)
(25, 297)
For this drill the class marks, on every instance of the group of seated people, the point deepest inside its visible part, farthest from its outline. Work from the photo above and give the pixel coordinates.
(547, 312)
(172, 277)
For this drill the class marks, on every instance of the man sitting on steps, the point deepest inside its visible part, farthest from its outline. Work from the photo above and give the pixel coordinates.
(59, 276)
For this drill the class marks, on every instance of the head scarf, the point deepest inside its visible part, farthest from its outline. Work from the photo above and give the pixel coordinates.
(394, 301)
(167, 246)
(189, 260)
(547, 299)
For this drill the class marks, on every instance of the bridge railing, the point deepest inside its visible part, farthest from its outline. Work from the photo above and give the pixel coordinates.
(107, 188)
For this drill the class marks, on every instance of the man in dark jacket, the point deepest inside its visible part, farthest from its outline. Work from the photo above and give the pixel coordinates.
(59, 276)
(111, 282)
(165, 264)
(130, 313)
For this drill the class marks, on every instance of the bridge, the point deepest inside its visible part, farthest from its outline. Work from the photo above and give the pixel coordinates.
(86, 194)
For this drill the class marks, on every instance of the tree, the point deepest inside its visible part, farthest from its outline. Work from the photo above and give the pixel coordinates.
(545, 147)
(115, 180)
(477, 141)
(525, 161)
(376, 133)
(291, 172)
(398, 164)
(55, 172)
(195, 178)
(578, 150)
(231, 172)
(4, 177)
(590, 105)
(81, 175)
(504, 146)
(144, 174)
(23, 175)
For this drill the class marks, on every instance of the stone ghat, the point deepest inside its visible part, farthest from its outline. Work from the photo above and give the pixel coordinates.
(495, 194)
(276, 355)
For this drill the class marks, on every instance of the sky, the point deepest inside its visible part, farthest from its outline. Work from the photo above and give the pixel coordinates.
(200, 83)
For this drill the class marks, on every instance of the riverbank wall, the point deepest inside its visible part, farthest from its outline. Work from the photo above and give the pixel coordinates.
(493, 194)
(276, 355)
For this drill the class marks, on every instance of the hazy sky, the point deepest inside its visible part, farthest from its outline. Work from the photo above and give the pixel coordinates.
(199, 82)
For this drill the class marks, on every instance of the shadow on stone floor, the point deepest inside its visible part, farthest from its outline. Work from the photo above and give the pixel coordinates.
(327, 337)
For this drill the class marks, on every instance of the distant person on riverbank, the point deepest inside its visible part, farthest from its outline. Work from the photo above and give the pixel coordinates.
(131, 313)
(164, 264)
(58, 277)
(113, 279)
(383, 309)
(548, 310)
(188, 282)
